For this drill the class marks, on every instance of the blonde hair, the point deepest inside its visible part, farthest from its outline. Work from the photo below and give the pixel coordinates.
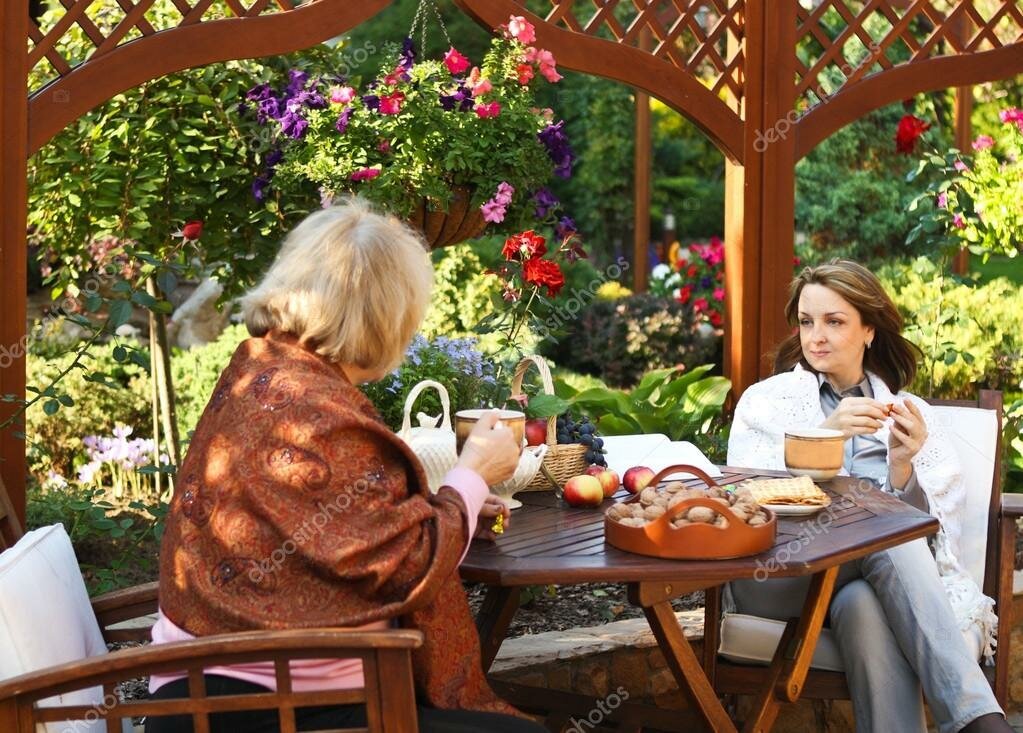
(350, 282)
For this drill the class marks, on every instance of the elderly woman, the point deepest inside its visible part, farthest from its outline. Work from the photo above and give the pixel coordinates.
(898, 614)
(296, 507)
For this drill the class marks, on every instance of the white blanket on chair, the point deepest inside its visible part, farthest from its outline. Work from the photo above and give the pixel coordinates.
(792, 400)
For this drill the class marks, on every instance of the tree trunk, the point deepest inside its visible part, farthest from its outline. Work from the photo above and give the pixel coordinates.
(164, 381)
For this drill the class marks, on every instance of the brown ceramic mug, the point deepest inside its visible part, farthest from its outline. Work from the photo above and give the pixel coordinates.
(465, 421)
(814, 452)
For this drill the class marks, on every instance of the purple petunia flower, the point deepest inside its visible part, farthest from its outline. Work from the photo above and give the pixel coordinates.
(274, 157)
(372, 101)
(259, 92)
(269, 108)
(545, 201)
(706, 281)
(565, 227)
(554, 139)
(407, 58)
(310, 99)
(342, 121)
(293, 125)
(259, 186)
(296, 82)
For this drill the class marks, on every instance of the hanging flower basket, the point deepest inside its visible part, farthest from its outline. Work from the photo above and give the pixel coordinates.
(424, 132)
(460, 222)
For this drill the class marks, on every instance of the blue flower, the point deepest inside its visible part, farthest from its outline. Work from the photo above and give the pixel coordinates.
(554, 139)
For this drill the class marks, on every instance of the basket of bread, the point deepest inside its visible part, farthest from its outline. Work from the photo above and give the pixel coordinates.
(682, 522)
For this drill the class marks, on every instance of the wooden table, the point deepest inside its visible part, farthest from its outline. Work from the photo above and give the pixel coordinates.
(551, 543)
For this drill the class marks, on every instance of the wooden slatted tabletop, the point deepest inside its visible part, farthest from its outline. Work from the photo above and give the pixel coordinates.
(548, 542)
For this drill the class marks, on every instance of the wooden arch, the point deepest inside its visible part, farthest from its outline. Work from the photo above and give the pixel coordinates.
(731, 66)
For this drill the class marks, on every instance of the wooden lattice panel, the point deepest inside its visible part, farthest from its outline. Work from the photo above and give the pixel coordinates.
(843, 41)
(89, 29)
(702, 37)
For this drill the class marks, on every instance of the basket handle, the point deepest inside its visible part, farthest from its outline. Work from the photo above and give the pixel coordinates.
(406, 422)
(684, 468)
(548, 388)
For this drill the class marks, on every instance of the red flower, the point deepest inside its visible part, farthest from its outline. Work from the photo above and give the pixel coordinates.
(700, 305)
(456, 62)
(685, 293)
(715, 318)
(691, 272)
(192, 230)
(525, 72)
(493, 109)
(525, 246)
(910, 130)
(365, 174)
(391, 104)
(543, 273)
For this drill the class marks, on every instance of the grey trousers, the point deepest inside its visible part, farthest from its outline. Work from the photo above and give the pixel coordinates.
(898, 637)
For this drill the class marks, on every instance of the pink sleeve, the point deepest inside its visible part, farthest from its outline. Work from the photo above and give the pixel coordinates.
(474, 492)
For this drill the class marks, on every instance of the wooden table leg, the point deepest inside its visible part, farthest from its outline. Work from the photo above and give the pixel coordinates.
(493, 620)
(792, 658)
(686, 667)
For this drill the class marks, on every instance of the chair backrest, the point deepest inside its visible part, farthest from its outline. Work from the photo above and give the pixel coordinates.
(975, 428)
(10, 528)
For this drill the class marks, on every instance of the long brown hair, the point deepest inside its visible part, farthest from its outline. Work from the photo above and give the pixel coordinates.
(890, 356)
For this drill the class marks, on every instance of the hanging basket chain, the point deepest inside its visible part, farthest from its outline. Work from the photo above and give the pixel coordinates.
(420, 21)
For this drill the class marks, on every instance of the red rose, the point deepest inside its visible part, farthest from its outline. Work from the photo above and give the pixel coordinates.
(525, 246)
(192, 230)
(543, 273)
(910, 130)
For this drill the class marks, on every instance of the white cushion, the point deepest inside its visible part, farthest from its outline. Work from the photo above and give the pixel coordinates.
(752, 640)
(45, 616)
(974, 433)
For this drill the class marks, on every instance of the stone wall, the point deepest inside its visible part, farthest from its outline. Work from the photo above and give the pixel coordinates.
(597, 661)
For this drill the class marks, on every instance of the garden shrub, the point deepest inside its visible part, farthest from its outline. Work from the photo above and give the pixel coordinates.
(196, 372)
(55, 441)
(979, 341)
(619, 341)
(461, 292)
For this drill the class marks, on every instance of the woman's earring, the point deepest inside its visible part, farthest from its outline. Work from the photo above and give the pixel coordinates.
(868, 344)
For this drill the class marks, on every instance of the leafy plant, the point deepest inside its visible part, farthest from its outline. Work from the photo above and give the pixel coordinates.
(679, 404)
(619, 340)
(422, 129)
(694, 275)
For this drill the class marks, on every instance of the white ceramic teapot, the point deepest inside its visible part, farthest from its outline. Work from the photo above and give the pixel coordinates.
(433, 445)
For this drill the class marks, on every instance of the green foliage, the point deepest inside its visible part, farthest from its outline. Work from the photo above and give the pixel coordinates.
(971, 336)
(456, 363)
(109, 541)
(1012, 440)
(852, 195)
(679, 404)
(139, 166)
(621, 340)
(461, 292)
(974, 201)
(92, 401)
(196, 372)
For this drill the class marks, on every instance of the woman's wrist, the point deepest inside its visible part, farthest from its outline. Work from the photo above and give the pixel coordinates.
(898, 474)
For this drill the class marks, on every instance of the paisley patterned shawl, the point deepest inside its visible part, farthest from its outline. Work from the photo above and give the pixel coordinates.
(296, 507)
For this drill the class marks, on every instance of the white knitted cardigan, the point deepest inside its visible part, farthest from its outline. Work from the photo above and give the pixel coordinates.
(792, 400)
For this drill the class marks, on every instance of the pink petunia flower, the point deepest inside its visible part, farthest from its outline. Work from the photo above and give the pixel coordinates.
(958, 221)
(521, 30)
(961, 166)
(456, 62)
(942, 200)
(983, 142)
(700, 305)
(493, 109)
(482, 87)
(550, 73)
(525, 73)
(342, 95)
(391, 103)
(1011, 115)
(365, 174)
(719, 293)
(493, 211)
(504, 194)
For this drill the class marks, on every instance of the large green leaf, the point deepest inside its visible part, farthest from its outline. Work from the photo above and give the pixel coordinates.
(650, 382)
(614, 425)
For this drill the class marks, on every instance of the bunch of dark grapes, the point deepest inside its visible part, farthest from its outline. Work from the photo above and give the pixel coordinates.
(582, 432)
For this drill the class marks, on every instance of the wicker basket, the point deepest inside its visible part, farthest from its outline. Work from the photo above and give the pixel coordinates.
(562, 461)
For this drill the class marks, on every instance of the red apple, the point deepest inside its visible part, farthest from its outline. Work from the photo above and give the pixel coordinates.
(536, 431)
(583, 490)
(608, 479)
(637, 478)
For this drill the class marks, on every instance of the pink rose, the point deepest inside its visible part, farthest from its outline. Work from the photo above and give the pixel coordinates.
(983, 142)
(521, 30)
(488, 110)
(482, 88)
(456, 62)
(342, 95)
(365, 174)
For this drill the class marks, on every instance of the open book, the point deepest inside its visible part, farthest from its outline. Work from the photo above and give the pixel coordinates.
(655, 452)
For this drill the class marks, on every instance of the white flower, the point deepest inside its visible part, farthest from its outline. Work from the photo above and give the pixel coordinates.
(660, 271)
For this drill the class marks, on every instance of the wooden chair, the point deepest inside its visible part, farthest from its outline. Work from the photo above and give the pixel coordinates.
(990, 561)
(389, 693)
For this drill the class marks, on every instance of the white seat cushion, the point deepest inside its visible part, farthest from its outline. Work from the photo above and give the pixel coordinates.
(45, 616)
(752, 640)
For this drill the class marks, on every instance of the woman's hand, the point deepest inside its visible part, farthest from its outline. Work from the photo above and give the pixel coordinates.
(856, 416)
(492, 508)
(907, 436)
(490, 450)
